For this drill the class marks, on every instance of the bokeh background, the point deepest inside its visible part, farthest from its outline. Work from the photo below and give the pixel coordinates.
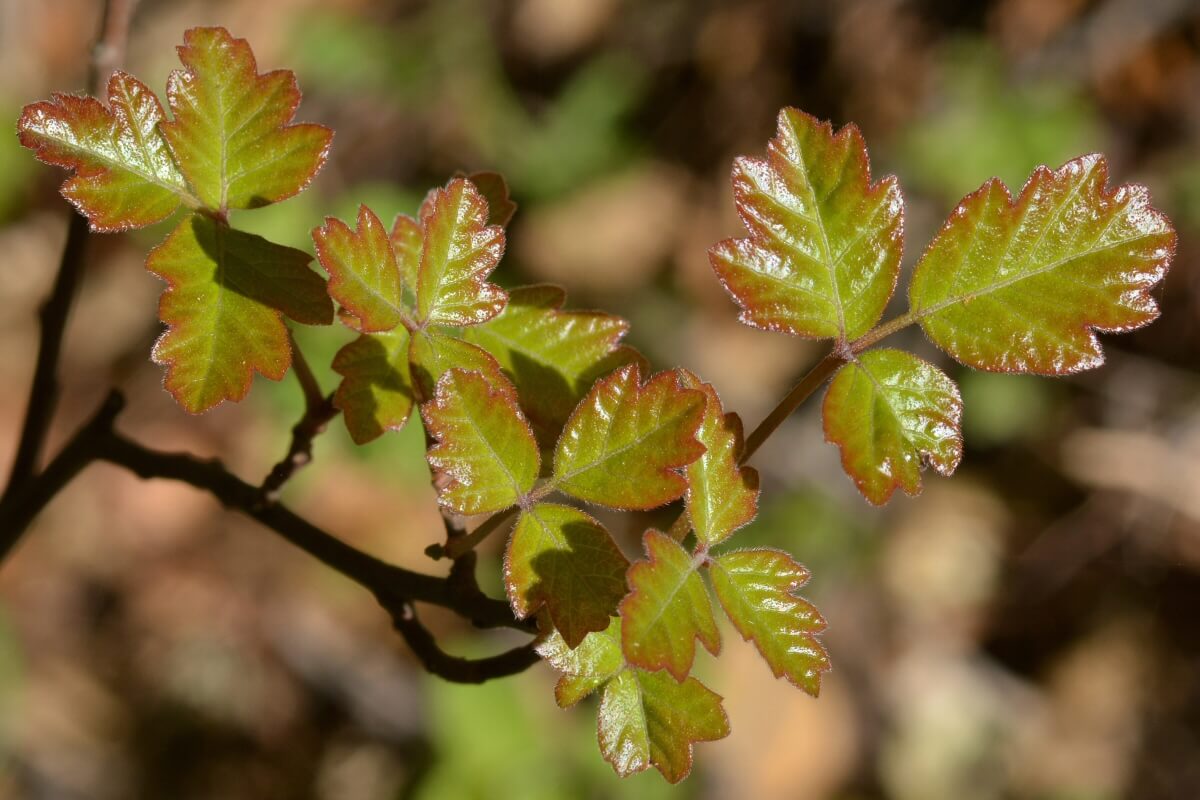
(1026, 629)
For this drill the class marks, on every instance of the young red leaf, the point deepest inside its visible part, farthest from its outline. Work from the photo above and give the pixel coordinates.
(624, 442)
(553, 356)
(891, 413)
(484, 445)
(1022, 286)
(585, 668)
(226, 291)
(124, 176)
(721, 496)
(494, 189)
(376, 393)
(756, 589)
(667, 609)
(406, 239)
(432, 353)
(231, 134)
(824, 249)
(363, 276)
(563, 559)
(459, 250)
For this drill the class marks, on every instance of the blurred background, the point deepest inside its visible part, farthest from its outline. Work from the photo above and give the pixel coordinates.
(1026, 629)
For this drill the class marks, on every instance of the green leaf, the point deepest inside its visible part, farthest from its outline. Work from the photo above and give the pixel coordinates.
(563, 559)
(667, 609)
(721, 496)
(625, 441)
(376, 393)
(406, 239)
(363, 276)
(553, 356)
(226, 291)
(231, 134)
(891, 413)
(459, 250)
(484, 445)
(585, 668)
(649, 718)
(124, 174)
(432, 353)
(756, 589)
(824, 250)
(1022, 286)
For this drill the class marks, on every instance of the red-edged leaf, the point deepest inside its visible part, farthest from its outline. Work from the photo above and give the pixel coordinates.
(667, 609)
(721, 496)
(824, 249)
(459, 250)
(757, 590)
(585, 668)
(431, 353)
(484, 445)
(494, 189)
(363, 276)
(125, 176)
(1022, 286)
(624, 442)
(376, 392)
(891, 413)
(226, 291)
(563, 559)
(406, 239)
(231, 134)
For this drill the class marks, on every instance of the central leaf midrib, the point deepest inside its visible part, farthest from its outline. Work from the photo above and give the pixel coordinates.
(611, 454)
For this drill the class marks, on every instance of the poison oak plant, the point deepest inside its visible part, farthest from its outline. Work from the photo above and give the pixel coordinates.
(533, 412)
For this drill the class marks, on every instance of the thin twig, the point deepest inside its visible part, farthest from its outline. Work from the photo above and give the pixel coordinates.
(461, 670)
(791, 401)
(458, 546)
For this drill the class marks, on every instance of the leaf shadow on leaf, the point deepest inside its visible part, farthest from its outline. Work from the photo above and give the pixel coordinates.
(583, 559)
(376, 372)
(546, 397)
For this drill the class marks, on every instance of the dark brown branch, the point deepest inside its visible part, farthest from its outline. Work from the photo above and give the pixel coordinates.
(313, 423)
(456, 669)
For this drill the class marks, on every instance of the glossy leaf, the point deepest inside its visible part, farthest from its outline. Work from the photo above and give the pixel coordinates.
(892, 413)
(223, 307)
(824, 249)
(431, 353)
(721, 496)
(553, 356)
(484, 445)
(757, 590)
(376, 393)
(458, 252)
(231, 134)
(124, 176)
(1022, 286)
(363, 276)
(667, 609)
(563, 559)
(625, 441)
(585, 668)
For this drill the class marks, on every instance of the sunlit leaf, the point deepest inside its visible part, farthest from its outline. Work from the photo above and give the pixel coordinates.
(625, 441)
(1022, 286)
(824, 249)
(231, 135)
(756, 589)
(721, 496)
(667, 609)
(226, 291)
(432, 353)
(553, 356)
(376, 392)
(484, 445)
(363, 276)
(124, 176)
(564, 559)
(892, 413)
(458, 252)
(584, 668)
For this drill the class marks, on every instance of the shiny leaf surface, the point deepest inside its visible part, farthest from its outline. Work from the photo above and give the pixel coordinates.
(431, 353)
(376, 392)
(363, 276)
(584, 668)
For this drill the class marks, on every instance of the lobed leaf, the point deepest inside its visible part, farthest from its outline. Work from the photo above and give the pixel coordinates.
(586, 667)
(376, 393)
(231, 135)
(459, 250)
(363, 276)
(624, 442)
(824, 250)
(721, 496)
(406, 237)
(484, 445)
(563, 559)
(1022, 286)
(432, 353)
(494, 189)
(223, 307)
(667, 609)
(552, 356)
(891, 413)
(124, 176)
(756, 589)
